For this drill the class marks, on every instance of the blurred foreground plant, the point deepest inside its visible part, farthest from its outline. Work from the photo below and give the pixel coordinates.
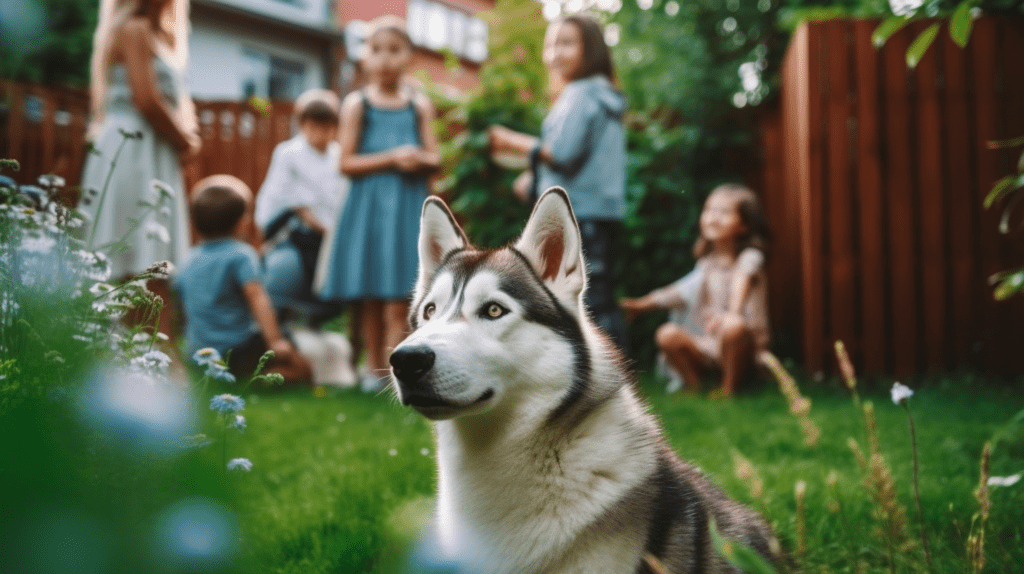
(106, 472)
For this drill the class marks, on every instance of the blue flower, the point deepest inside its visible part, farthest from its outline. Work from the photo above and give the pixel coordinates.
(238, 423)
(240, 464)
(219, 372)
(206, 356)
(227, 403)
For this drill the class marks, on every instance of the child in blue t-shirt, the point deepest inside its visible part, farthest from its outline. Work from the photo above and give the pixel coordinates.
(225, 304)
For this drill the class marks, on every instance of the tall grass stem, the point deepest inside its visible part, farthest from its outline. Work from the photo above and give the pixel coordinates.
(917, 490)
(106, 187)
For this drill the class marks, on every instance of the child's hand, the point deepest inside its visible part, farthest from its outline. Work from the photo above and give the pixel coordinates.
(522, 187)
(407, 158)
(283, 349)
(194, 144)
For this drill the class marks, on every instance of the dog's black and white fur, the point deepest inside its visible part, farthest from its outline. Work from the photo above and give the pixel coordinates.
(548, 461)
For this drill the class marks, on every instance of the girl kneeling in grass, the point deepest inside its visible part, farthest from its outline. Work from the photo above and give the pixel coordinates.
(731, 302)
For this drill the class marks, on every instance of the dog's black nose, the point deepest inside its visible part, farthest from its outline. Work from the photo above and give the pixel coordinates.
(411, 363)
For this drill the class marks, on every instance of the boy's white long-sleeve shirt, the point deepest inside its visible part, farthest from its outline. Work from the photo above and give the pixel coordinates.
(298, 176)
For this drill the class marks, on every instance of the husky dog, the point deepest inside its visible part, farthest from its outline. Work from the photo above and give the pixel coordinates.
(548, 461)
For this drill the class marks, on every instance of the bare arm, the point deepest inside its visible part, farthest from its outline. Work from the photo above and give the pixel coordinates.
(262, 310)
(739, 292)
(310, 219)
(506, 140)
(137, 41)
(430, 155)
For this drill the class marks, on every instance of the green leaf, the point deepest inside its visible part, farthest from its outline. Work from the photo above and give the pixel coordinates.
(886, 29)
(1004, 221)
(961, 21)
(1011, 283)
(738, 554)
(1012, 142)
(999, 190)
(921, 44)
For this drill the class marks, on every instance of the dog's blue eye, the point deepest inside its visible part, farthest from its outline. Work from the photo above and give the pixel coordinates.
(493, 311)
(428, 311)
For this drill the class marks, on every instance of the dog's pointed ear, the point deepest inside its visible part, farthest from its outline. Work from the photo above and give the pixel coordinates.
(439, 236)
(551, 243)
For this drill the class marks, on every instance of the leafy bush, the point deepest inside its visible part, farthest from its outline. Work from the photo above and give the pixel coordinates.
(47, 41)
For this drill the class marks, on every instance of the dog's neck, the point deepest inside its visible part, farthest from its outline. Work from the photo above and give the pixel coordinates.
(526, 473)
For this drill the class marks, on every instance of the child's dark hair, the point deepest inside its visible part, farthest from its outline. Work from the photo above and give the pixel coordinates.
(318, 106)
(216, 211)
(751, 212)
(597, 58)
(319, 113)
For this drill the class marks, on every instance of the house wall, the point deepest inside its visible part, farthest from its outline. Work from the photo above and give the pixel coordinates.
(424, 60)
(217, 63)
(310, 12)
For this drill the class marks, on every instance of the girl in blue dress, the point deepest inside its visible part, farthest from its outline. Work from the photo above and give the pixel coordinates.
(388, 149)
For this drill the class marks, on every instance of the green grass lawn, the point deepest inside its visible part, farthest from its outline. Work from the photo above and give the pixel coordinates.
(341, 482)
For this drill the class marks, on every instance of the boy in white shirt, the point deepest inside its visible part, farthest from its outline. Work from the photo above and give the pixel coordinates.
(301, 197)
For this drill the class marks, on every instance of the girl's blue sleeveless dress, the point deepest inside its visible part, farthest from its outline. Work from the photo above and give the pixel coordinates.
(374, 252)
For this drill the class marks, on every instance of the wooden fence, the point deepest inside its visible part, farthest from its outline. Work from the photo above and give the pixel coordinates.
(44, 129)
(875, 176)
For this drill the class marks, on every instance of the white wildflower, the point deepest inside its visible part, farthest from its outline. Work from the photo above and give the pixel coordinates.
(1004, 480)
(900, 393)
(155, 361)
(51, 180)
(240, 464)
(37, 244)
(156, 230)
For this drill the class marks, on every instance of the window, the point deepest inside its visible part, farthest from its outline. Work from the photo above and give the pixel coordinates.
(269, 76)
(436, 26)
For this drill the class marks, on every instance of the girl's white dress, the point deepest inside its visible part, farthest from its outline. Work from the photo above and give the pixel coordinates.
(131, 234)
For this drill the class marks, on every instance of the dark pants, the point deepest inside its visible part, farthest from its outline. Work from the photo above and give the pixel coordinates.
(600, 248)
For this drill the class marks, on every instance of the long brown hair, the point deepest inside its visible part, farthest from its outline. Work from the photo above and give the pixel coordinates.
(597, 58)
(112, 15)
(758, 234)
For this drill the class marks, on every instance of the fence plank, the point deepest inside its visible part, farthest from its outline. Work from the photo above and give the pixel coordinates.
(965, 293)
(931, 201)
(984, 54)
(783, 270)
(47, 131)
(900, 192)
(841, 294)
(870, 203)
(810, 142)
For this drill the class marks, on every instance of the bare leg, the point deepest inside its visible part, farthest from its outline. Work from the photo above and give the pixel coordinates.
(371, 322)
(681, 352)
(737, 355)
(355, 335)
(396, 324)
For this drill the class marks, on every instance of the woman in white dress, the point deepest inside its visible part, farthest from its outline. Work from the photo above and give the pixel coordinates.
(138, 87)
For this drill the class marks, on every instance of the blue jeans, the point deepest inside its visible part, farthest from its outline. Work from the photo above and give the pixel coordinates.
(600, 248)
